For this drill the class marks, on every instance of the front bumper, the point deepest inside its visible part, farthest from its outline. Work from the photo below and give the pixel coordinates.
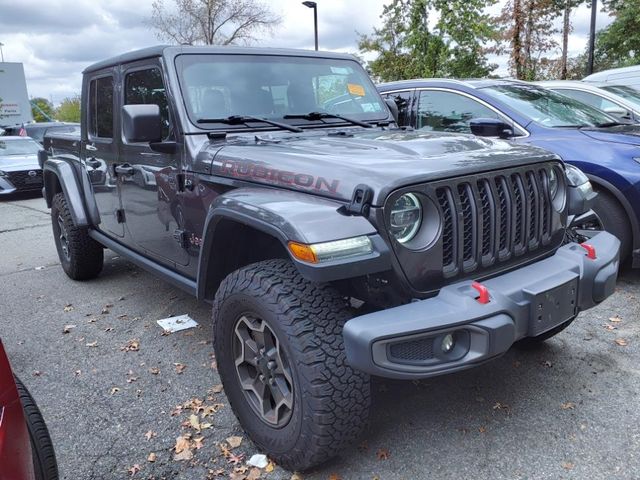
(405, 341)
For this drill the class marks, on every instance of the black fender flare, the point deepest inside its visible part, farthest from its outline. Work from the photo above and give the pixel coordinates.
(60, 174)
(633, 219)
(292, 216)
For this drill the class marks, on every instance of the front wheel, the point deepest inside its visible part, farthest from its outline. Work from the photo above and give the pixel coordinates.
(278, 343)
(615, 221)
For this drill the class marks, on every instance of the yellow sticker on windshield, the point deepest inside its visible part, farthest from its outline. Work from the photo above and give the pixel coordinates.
(355, 89)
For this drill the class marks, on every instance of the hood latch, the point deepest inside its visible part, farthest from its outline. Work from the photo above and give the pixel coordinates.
(360, 201)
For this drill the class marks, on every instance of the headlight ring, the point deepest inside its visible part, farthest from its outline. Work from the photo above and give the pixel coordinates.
(405, 218)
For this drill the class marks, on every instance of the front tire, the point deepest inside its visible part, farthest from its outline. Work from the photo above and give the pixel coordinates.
(615, 220)
(44, 457)
(278, 343)
(80, 255)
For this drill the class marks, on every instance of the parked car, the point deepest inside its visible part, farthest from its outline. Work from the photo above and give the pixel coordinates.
(616, 100)
(595, 142)
(26, 450)
(38, 130)
(629, 76)
(19, 167)
(332, 244)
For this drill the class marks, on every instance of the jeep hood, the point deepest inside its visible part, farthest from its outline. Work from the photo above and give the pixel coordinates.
(334, 164)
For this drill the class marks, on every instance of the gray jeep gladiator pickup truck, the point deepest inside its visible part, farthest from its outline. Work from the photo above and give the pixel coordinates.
(332, 244)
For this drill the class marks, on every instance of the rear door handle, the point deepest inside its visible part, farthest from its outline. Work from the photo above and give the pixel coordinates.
(91, 148)
(124, 169)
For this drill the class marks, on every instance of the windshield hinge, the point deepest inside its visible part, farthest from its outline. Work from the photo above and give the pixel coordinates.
(360, 201)
(217, 136)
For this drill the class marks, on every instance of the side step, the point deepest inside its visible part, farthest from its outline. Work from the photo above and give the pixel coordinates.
(164, 273)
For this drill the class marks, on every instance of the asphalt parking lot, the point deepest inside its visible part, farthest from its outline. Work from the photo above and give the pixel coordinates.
(115, 390)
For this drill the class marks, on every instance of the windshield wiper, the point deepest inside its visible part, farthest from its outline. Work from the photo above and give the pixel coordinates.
(239, 119)
(321, 115)
(612, 124)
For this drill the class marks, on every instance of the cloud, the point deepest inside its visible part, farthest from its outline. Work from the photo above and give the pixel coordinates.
(57, 39)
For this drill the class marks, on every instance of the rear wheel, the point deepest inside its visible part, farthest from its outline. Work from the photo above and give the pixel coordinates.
(80, 255)
(278, 343)
(44, 457)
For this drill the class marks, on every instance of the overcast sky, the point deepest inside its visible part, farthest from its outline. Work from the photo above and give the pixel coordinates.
(57, 39)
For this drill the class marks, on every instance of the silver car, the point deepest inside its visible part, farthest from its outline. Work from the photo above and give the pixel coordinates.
(19, 168)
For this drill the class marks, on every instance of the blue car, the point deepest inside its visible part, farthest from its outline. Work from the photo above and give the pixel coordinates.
(607, 151)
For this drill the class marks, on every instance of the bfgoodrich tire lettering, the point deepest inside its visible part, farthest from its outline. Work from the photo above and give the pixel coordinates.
(330, 399)
(80, 255)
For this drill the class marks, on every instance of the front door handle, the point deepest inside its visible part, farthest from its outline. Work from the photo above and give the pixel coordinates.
(91, 148)
(123, 169)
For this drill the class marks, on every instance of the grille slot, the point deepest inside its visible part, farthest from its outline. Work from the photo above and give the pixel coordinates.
(494, 219)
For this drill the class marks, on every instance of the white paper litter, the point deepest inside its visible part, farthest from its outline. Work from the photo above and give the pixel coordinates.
(175, 324)
(258, 460)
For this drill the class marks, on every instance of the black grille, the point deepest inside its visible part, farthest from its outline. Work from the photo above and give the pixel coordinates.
(494, 218)
(24, 181)
(413, 350)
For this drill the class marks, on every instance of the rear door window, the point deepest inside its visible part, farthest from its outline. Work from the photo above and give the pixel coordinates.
(101, 107)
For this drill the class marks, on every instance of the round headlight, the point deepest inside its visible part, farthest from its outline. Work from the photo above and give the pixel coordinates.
(553, 183)
(406, 216)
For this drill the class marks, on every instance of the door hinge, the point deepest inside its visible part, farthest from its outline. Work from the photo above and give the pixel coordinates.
(360, 201)
(120, 215)
(183, 182)
(182, 237)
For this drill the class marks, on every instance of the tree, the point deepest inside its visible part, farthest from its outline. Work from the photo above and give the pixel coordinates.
(407, 45)
(564, 8)
(211, 22)
(527, 34)
(41, 109)
(69, 109)
(618, 44)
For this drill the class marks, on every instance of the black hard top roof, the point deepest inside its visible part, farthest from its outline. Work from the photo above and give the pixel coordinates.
(160, 50)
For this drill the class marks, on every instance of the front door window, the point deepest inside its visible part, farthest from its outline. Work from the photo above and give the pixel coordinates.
(449, 112)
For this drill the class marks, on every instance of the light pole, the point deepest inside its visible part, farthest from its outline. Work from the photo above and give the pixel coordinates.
(592, 36)
(1, 52)
(314, 5)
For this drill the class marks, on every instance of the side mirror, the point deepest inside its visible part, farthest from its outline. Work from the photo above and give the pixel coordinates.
(394, 109)
(618, 112)
(42, 157)
(141, 123)
(490, 127)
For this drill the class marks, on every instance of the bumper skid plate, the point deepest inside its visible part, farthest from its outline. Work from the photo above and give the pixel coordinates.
(454, 331)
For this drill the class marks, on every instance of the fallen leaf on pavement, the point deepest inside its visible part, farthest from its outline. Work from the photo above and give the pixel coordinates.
(615, 319)
(37, 373)
(114, 390)
(92, 344)
(609, 327)
(568, 406)
(296, 476)
(184, 455)
(131, 346)
(179, 367)
(382, 454)
(568, 465)
(234, 441)
(482, 429)
(105, 309)
(133, 470)
(154, 370)
(501, 406)
(68, 308)
(183, 442)
(152, 457)
(547, 364)
(198, 443)
(335, 476)
(194, 421)
(622, 342)
(235, 459)
(254, 474)
(67, 328)
(150, 434)
(216, 389)
(269, 468)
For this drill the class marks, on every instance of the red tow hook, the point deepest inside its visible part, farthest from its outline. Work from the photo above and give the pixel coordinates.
(483, 291)
(591, 251)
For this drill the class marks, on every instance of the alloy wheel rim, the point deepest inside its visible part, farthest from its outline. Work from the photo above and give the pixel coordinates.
(263, 370)
(64, 242)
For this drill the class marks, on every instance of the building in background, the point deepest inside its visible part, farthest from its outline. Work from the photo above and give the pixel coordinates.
(15, 108)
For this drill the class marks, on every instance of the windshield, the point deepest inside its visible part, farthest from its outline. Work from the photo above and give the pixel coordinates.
(548, 108)
(24, 146)
(628, 93)
(217, 86)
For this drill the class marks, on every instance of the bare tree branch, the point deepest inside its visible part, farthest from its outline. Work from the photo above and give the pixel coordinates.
(209, 22)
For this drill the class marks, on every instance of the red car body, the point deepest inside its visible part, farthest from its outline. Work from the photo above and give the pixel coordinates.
(16, 460)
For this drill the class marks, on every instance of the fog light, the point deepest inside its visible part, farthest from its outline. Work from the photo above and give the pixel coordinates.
(448, 343)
